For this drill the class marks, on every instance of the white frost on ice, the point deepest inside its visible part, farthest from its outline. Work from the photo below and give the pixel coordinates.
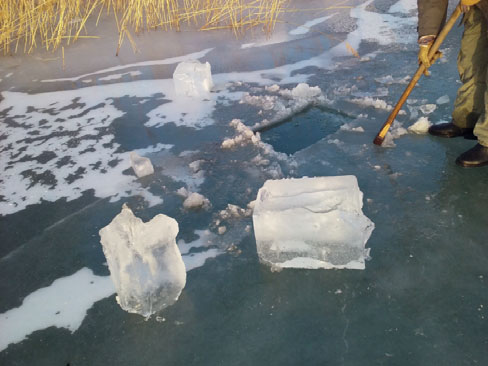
(372, 102)
(403, 6)
(305, 28)
(195, 253)
(312, 223)
(119, 76)
(166, 61)
(421, 126)
(193, 79)
(144, 261)
(63, 304)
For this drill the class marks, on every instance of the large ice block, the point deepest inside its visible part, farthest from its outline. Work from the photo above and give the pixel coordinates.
(142, 166)
(193, 79)
(312, 223)
(144, 261)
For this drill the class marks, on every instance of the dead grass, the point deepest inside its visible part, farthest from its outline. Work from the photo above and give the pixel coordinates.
(29, 24)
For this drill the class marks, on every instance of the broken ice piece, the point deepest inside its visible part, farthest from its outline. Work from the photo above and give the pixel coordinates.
(421, 126)
(142, 166)
(144, 261)
(312, 223)
(196, 201)
(193, 79)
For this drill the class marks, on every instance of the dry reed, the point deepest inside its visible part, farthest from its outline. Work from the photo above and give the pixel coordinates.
(28, 24)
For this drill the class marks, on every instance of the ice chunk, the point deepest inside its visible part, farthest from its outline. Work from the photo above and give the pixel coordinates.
(443, 100)
(193, 79)
(312, 223)
(144, 261)
(196, 201)
(142, 166)
(305, 91)
(421, 126)
(428, 108)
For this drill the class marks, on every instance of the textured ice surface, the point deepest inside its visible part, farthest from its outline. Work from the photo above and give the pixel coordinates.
(193, 79)
(144, 261)
(312, 223)
(142, 166)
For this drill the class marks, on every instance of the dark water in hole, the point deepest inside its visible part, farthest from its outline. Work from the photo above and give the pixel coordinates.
(303, 129)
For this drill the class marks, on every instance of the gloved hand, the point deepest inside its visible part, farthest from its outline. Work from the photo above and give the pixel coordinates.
(467, 4)
(425, 44)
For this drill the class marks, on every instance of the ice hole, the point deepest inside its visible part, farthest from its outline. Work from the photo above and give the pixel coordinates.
(304, 129)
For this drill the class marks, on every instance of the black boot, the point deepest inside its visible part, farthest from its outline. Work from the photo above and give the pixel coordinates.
(451, 130)
(475, 157)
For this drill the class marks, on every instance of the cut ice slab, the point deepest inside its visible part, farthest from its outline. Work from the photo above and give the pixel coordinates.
(312, 223)
(144, 261)
(193, 79)
(142, 166)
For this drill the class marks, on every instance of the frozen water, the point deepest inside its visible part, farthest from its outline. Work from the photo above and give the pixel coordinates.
(142, 166)
(144, 261)
(421, 126)
(312, 223)
(196, 201)
(443, 100)
(58, 305)
(65, 162)
(193, 79)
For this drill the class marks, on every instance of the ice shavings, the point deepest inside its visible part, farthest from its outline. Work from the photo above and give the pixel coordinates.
(372, 102)
(388, 80)
(193, 79)
(245, 136)
(312, 223)
(267, 159)
(285, 103)
(428, 108)
(421, 126)
(196, 201)
(167, 61)
(351, 127)
(144, 261)
(63, 304)
(396, 130)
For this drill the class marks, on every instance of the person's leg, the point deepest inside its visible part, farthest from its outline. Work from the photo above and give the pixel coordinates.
(478, 155)
(472, 64)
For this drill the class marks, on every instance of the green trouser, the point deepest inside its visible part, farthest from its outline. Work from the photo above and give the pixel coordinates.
(471, 105)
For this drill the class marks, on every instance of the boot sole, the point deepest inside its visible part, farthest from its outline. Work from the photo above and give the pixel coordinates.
(470, 165)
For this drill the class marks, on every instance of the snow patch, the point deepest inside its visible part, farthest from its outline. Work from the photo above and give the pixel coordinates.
(63, 304)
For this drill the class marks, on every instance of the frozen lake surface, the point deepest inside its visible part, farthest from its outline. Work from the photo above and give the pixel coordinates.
(65, 142)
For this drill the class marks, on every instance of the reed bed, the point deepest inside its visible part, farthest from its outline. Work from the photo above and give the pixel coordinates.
(29, 24)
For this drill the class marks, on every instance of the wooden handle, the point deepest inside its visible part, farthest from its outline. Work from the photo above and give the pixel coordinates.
(433, 50)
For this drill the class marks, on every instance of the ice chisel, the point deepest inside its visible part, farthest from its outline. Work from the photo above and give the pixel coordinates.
(433, 50)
